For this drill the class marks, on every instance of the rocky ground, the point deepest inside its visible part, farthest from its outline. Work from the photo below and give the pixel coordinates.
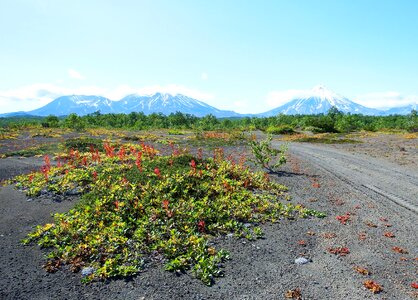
(326, 178)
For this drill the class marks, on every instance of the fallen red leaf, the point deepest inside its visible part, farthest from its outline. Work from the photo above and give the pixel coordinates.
(389, 234)
(371, 224)
(373, 286)
(316, 185)
(294, 294)
(329, 235)
(399, 250)
(343, 218)
(414, 285)
(362, 271)
(341, 251)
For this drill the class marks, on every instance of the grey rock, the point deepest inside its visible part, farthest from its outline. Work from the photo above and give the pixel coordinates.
(87, 271)
(301, 261)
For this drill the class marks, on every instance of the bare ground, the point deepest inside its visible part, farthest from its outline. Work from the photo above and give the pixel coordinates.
(326, 178)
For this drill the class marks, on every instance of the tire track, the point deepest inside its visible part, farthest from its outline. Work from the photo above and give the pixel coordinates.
(366, 174)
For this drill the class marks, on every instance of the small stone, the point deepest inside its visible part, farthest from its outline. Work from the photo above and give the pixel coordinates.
(87, 271)
(301, 261)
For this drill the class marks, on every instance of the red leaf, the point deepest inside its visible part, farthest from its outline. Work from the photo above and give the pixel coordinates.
(157, 172)
(201, 226)
(373, 286)
(399, 250)
(341, 251)
(343, 218)
(389, 234)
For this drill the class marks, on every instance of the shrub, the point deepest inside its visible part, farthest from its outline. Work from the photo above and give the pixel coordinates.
(266, 156)
(283, 129)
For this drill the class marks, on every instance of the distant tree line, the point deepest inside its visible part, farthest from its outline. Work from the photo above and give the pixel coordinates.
(333, 121)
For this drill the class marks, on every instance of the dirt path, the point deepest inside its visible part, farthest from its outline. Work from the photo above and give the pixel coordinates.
(369, 175)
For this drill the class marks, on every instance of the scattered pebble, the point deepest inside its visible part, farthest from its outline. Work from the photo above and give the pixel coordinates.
(87, 271)
(301, 261)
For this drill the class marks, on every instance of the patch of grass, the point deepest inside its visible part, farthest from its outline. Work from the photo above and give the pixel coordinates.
(410, 136)
(8, 135)
(283, 129)
(41, 149)
(175, 132)
(217, 138)
(138, 204)
(322, 138)
(83, 144)
(325, 140)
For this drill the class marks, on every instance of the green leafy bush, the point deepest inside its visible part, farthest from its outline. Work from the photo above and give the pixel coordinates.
(283, 129)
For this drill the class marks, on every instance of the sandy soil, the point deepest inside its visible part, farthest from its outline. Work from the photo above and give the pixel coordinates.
(396, 148)
(262, 269)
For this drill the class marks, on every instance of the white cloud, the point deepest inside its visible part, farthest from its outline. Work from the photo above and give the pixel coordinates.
(277, 98)
(384, 100)
(204, 76)
(75, 75)
(30, 97)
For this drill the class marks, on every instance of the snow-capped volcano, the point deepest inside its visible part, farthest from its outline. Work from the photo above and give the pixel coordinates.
(157, 103)
(319, 100)
(79, 104)
(167, 104)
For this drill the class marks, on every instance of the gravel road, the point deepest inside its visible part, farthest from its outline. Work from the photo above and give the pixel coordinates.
(394, 183)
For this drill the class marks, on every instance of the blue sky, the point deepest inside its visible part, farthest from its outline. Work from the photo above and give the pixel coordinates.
(248, 56)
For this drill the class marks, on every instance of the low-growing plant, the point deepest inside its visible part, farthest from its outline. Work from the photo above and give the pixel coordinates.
(40, 149)
(175, 132)
(83, 144)
(136, 203)
(283, 129)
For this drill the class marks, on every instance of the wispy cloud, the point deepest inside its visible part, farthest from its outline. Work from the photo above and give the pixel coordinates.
(385, 99)
(277, 98)
(75, 75)
(33, 96)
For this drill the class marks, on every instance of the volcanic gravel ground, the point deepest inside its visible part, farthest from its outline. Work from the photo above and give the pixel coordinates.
(329, 181)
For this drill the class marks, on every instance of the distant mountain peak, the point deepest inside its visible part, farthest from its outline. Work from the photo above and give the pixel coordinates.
(324, 93)
(319, 100)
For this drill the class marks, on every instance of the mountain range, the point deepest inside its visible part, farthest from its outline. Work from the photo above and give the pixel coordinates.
(316, 101)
